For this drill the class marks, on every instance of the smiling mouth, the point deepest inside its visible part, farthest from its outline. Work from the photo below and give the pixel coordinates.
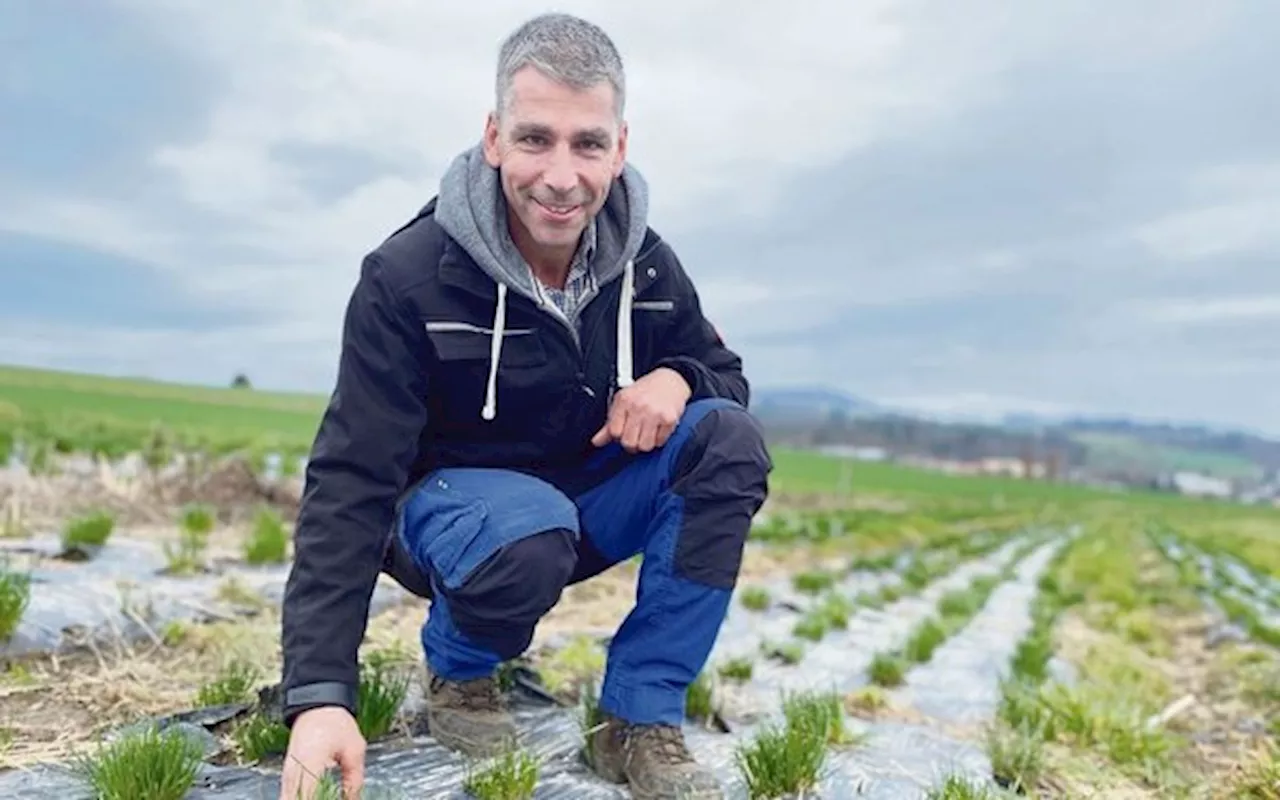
(560, 211)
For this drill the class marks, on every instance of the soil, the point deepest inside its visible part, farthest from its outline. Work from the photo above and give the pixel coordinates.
(1221, 727)
(140, 497)
(51, 706)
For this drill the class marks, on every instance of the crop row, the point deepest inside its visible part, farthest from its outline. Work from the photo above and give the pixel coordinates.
(83, 538)
(1115, 699)
(37, 440)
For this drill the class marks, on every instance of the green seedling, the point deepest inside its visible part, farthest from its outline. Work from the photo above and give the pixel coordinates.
(786, 652)
(83, 536)
(234, 683)
(187, 554)
(926, 638)
(737, 669)
(957, 788)
(15, 597)
(513, 775)
(383, 687)
(157, 765)
(268, 542)
(258, 736)
(755, 598)
(812, 626)
(820, 711)
(1017, 757)
(699, 699)
(782, 761)
(813, 581)
(866, 700)
(887, 669)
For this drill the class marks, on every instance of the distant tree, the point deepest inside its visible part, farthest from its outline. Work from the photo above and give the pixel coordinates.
(241, 381)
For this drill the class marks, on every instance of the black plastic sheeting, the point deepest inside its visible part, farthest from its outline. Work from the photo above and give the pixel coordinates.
(897, 760)
(123, 593)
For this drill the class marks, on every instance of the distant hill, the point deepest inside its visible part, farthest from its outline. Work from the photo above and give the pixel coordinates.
(812, 403)
(1113, 445)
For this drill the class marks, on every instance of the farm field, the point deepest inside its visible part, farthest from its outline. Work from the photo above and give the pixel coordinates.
(894, 634)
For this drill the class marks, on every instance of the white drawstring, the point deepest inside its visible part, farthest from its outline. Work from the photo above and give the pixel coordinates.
(490, 409)
(625, 372)
(625, 369)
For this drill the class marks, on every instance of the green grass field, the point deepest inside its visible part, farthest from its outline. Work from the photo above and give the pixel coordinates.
(78, 412)
(88, 412)
(1116, 605)
(1114, 451)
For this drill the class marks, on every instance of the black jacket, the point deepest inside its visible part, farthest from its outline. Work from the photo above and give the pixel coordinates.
(411, 386)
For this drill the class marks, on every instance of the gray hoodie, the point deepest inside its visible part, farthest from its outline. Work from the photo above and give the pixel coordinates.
(472, 209)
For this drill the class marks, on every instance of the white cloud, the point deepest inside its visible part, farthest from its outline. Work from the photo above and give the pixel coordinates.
(737, 111)
(1211, 309)
(1232, 209)
(978, 405)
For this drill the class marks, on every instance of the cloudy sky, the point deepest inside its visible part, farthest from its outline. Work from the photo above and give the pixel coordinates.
(959, 207)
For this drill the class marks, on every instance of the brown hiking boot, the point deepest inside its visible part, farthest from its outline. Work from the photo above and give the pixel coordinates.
(652, 760)
(469, 716)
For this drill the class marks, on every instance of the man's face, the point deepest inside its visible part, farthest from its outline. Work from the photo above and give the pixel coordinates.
(558, 150)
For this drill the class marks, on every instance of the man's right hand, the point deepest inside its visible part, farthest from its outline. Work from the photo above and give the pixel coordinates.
(321, 738)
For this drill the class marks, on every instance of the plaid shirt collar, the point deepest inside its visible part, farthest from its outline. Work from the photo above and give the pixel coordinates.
(581, 278)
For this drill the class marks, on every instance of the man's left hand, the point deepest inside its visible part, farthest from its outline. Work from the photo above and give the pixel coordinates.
(643, 415)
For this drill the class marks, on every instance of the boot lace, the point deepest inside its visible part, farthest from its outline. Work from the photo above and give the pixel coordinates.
(665, 742)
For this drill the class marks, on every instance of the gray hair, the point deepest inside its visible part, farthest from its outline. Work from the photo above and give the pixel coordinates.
(566, 49)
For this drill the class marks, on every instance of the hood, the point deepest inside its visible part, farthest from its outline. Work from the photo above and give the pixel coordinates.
(472, 210)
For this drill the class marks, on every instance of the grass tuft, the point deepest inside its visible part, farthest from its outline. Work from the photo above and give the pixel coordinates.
(383, 686)
(259, 736)
(152, 764)
(513, 775)
(699, 704)
(85, 534)
(736, 669)
(812, 626)
(1017, 757)
(821, 711)
(268, 542)
(187, 554)
(926, 638)
(813, 581)
(234, 683)
(866, 700)
(785, 652)
(15, 596)
(781, 761)
(887, 669)
(755, 598)
(580, 660)
(957, 788)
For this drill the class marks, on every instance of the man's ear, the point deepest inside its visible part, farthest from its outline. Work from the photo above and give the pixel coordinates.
(620, 157)
(492, 134)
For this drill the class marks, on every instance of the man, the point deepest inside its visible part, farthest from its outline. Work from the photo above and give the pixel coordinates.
(528, 394)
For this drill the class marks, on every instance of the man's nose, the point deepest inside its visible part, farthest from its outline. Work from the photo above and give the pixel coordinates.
(561, 175)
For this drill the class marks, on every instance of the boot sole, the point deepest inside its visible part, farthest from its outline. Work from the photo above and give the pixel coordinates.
(474, 748)
(682, 794)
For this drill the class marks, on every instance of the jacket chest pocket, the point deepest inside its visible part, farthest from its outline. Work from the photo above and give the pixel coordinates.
(525, 380)
(460, 343)
(651, 321)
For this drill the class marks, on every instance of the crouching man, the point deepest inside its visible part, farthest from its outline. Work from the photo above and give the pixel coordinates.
(528, 393)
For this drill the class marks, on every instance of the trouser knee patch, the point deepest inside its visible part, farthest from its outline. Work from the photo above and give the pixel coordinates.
(722, 476)
(502, 600)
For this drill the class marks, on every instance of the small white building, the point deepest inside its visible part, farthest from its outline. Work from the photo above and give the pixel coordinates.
(1195, 484)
